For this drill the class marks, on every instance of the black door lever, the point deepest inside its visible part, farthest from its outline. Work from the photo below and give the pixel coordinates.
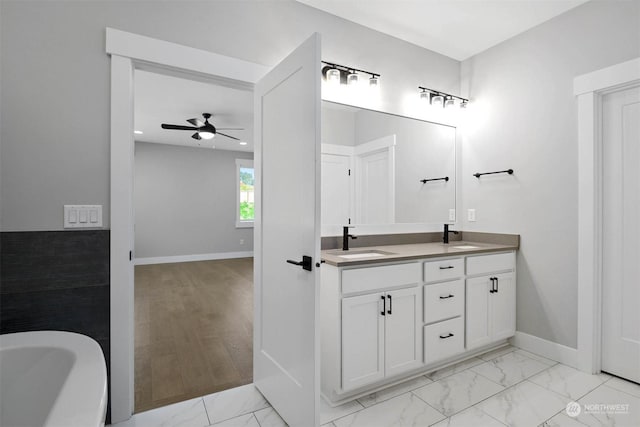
(306, 262)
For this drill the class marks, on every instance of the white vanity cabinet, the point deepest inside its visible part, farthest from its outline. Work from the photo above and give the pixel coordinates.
(382, 323)
(380, 336)
(491, 299)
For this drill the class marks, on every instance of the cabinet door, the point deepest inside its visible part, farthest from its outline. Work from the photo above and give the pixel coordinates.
(478, 331)
(503, 307)
(403, 332)
(362, 340)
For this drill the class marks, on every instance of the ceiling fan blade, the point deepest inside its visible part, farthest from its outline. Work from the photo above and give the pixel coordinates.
(229, 128)
(196, 122)
(177, 127)
(228, 136)
(196, 136)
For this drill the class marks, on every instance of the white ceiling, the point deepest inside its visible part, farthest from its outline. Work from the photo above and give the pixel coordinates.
(455, 28)
(168, 99)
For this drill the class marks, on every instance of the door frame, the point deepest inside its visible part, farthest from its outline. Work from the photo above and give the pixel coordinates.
(129, 52)
(589, 89)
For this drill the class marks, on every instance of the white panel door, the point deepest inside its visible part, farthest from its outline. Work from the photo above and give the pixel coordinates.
(478, 320)
(362, 340)
(503, 307)
(287, 226)
(621, 234)
(403, 331)
(336, 186)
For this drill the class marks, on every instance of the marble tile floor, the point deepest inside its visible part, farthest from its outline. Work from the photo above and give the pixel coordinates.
(508, 387)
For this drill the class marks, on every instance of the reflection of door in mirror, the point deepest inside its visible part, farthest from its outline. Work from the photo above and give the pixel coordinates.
(336, 187)
(375, 181)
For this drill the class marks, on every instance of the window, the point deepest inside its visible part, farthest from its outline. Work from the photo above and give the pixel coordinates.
(245, 178)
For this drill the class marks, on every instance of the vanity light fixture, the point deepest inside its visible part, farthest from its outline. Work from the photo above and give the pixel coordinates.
(243, 143)
(449, 102)
(352, 78)
(437, 100)
(332, 75)
(138, 132)
(441, 99)
(336, 73)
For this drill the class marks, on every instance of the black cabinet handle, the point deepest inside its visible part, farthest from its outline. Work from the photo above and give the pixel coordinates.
(446, 336)
(497, 285)
(493, 284)
(448, 296)
(390, 304)
(447, 267)
(384, 305)
(306, 262)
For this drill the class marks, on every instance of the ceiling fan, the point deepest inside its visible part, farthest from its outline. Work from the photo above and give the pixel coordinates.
(204, 130)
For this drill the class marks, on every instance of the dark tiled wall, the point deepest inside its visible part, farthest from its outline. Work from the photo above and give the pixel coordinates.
(56, 280)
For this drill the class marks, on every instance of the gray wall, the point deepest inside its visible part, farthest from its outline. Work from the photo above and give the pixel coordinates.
(55, 82)
(185, 199)
(524, 118)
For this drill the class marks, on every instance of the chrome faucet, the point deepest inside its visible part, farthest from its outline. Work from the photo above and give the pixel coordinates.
(445, 236)
(345, 237)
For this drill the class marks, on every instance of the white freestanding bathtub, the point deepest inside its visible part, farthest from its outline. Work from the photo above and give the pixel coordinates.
(51, 378)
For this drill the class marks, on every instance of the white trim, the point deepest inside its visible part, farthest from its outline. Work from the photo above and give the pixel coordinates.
(338, 150)
(190, 258)
(549, 349)
(129, 51)
(172, 55)
(589, 89)
(607, 78)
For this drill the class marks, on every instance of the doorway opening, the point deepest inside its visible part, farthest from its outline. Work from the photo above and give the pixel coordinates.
(193, 227)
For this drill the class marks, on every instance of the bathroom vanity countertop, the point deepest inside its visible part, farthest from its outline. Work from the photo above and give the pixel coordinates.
(407, 252)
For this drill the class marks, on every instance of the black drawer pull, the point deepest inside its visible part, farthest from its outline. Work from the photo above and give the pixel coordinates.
(384, 304)
(448, 296)
(446, 336)
(447, 267)
(390, 304)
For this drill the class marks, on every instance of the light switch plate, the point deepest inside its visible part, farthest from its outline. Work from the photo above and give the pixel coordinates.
(82, 216)
(471, 215)
(452, 214)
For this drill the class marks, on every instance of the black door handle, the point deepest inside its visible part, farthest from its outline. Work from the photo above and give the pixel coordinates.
(306, 262)
(446, 336)
(384, 305)
(448, 296)
(390, 304)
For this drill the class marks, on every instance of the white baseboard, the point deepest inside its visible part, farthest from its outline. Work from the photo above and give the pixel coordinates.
(549, 349)
(189, 258)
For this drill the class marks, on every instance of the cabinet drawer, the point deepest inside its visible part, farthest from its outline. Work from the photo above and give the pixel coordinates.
(482, 264)
(443, 301)
(443, 339)
(443, 269)
(377, 278)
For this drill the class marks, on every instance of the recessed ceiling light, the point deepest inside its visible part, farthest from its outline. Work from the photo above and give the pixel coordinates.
(138, 132)
(243, 143)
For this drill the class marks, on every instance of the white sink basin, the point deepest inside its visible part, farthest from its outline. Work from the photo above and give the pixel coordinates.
(361, 254)
(466, 247)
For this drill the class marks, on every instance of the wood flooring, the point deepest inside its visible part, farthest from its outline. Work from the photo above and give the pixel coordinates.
(193, 330)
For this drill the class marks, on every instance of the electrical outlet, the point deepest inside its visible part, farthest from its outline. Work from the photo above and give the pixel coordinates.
(242, 241)
(452, 214)
(471, 215)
